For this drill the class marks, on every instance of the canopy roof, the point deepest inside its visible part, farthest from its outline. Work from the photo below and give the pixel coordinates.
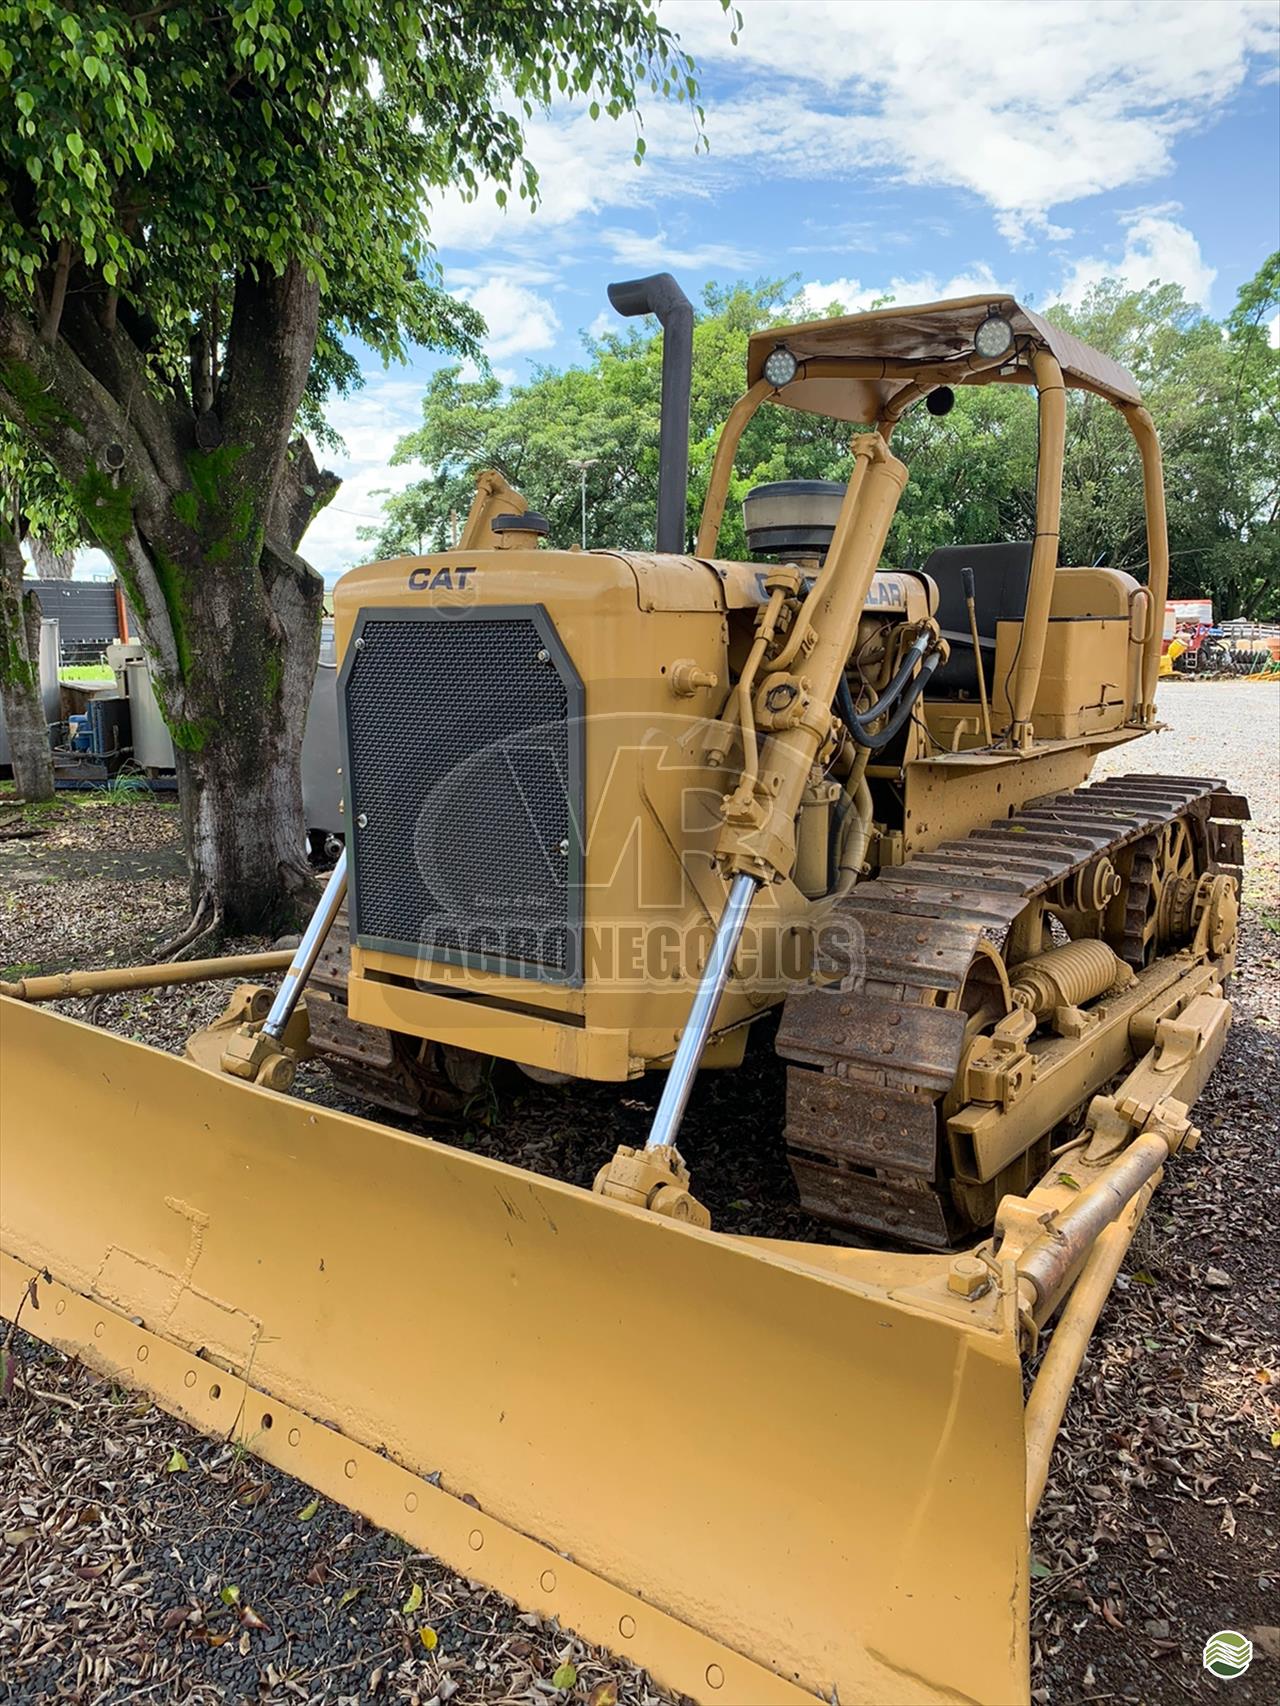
(900, 337)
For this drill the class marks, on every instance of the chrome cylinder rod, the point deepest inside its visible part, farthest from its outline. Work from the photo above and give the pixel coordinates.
(308, 950)
(693, 1039)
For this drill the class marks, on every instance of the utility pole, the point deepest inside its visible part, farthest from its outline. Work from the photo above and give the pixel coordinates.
(582, 466)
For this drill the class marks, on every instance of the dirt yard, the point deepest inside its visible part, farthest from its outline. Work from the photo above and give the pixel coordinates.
(140, 1561)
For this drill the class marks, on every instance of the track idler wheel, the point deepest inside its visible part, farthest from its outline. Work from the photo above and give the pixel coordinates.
(1215, 910)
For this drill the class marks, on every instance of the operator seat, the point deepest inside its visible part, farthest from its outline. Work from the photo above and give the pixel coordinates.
(1001, 574)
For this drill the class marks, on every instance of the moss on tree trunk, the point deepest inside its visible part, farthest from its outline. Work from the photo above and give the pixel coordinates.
(246, 639)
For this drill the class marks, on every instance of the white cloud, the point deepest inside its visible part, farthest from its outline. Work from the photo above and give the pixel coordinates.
(1027, 107)
(583, 167)
(1156, 248)
(92, 565)
(372, 422)
(635, 249)
(854, 296)
(525, 270)
(519, 321)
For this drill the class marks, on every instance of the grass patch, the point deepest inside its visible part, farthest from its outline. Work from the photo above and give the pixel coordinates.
(128, 788)
(110, 795)
(87, 672)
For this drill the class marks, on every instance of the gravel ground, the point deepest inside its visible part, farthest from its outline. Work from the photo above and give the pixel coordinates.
(140, 1559)
(1229, 729)
(1160, 1523)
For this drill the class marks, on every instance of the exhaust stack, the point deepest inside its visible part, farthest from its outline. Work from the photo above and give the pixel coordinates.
(659, 294)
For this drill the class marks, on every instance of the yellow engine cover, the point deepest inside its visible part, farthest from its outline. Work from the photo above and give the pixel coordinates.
(531, 813)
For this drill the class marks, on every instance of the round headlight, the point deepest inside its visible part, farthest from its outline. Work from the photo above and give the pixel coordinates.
(993, 338)
(780, 367)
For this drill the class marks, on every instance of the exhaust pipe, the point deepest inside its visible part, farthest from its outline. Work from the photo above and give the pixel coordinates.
(661, 295)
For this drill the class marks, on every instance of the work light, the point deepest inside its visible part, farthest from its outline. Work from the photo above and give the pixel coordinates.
(994, 337)
(780, 367)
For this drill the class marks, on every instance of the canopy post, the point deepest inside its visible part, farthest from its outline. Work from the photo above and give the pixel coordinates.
(1044, 552)
(718, 485)
(1144, 432)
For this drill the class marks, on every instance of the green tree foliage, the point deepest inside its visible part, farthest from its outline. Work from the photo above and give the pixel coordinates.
(1214, 390)
(200, 205)
(605, 414)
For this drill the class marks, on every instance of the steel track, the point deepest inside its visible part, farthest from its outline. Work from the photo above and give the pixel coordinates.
(874, 1055)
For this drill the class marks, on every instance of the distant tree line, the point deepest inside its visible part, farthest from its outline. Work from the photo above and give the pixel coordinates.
(1212, 386)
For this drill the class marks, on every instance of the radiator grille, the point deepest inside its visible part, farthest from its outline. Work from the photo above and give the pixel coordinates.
(464, 789)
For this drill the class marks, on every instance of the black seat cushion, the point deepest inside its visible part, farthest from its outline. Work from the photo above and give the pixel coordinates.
(1000, 577)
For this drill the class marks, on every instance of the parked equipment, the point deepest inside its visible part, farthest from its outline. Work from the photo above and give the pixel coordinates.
(119, 723)
(321, 783)
(605, 809)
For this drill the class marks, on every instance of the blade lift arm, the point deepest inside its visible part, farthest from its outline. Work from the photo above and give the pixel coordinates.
(266, 1053)
(757, 842)
(1061, 1246)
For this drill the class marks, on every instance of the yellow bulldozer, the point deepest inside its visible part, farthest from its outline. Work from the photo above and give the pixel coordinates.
(607, 812)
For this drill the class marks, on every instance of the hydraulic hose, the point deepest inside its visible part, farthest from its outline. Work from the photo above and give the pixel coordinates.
(858, 724)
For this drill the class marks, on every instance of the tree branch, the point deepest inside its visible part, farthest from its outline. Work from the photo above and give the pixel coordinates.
(113, 358)
(270, 342)
(302, 491)
(65, 409)
(58, 295)
(201, 382)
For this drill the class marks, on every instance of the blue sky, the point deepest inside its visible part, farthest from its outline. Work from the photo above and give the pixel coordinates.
(925, 147)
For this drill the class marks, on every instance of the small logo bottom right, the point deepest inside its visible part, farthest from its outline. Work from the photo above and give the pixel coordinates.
(1227, 1653)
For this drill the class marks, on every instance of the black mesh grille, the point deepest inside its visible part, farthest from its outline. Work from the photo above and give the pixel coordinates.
(463, 790)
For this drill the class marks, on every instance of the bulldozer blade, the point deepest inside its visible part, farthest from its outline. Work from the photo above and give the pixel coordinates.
(762, 1477)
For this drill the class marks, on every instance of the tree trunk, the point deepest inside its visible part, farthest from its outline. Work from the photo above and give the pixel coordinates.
(50, 565)
(202, 527)
(29, 750)
(237, 720)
